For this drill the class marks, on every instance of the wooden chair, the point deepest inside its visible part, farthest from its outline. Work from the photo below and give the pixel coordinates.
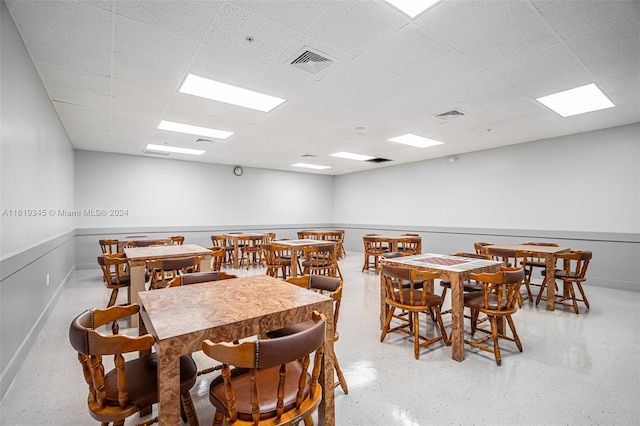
(108, 246)
(217, 258)
(533, 263)
(177, 239)
(497, 300)
(168, 275)
(511, 258)
(221, 241)
(269, 383)
(468, 285)
(251, 250)
(410, 245)
(405, 289)
(113, 273)
(337, 237)
(278, 265)
(332, 287)
(480, 246)
(131, 386)
(574, 271)
(373, 248)
(321, 259)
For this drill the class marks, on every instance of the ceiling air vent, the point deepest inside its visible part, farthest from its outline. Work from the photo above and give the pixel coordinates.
(378, 160)
(311, 62)
(449, 115)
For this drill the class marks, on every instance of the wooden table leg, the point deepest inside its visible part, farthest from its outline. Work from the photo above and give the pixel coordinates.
(326, 410)
(550, 280)
(136, 286)
(457, 317)
(168, 383)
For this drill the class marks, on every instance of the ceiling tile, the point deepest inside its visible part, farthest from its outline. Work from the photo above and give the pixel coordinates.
(295, 14)
(605, 40)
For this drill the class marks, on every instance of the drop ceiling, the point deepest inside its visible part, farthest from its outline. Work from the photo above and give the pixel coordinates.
(113, 69)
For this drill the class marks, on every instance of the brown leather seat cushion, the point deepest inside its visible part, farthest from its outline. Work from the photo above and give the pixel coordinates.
(431, 299)
(467, 285)
(142, 380)
(268, 385)
(475, 300)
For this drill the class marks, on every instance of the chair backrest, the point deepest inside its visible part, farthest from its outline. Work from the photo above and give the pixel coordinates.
(373, 244)
(473, 255)
(144, 243)
(219, 241)
(508, 257)
(480, 246)
(108, 392)
(109, 246)
(501, 289)
(203, 277)
(217, 258)
(290, 355)
(171, 269)
(406, 286)
(177, 239)
(575, 264)
(330, 286)
(321, 259)
(410, 245)
(112, 266)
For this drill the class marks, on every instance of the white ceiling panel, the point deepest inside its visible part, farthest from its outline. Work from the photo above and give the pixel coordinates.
(113, 69)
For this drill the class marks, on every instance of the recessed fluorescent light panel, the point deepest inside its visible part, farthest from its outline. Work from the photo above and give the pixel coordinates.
(577, 101)
(352, 156)
(214, 90)
(175, 149)
(310, 166)
(412, 7)
(415, 140)
(193, 130)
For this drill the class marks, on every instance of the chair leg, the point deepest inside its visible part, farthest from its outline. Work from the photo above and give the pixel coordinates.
(218, 418)
(443, 332)
(584, 296)
(494, 336)
(416, 335)
(341, 380)
(572, 293)
(189, 409)
(512, 326)
(113, 298)
(387, 323)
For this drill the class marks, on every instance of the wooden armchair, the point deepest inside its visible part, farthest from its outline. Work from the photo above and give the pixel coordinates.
(113, 273)
(574, 271)
(168, 275)
(251, 250)
(332, 287)
(373, 248)
(321, 259)
(109, 246)
(406, 290)
(498, 299)
(278, 265)
(269, 382)
(131, 386)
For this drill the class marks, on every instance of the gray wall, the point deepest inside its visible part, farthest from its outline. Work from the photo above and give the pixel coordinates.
(37, 173)
(581, 190)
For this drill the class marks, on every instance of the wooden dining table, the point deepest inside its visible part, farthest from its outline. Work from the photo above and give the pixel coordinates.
(181, 318)
(235, 238)
(453, 268)
(139, 256)
(549, 255)
(297, 247)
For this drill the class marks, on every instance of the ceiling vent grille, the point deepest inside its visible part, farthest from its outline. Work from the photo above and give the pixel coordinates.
(378, 160)
(449, 115)
(311, 62)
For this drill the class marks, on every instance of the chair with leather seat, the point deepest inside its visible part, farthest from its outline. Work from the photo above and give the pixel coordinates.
(168, 275)
(275, 260)
(405, 290)
(321, 259)
(374, 248)
(574, 271)
(468, 285)
(221, 241)
(332, 287)
(267, 381)
(113, 273)
(131, 386)
(511, 258)
(251, 251)
(410, 244)
(497, 300)
(177, 240)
